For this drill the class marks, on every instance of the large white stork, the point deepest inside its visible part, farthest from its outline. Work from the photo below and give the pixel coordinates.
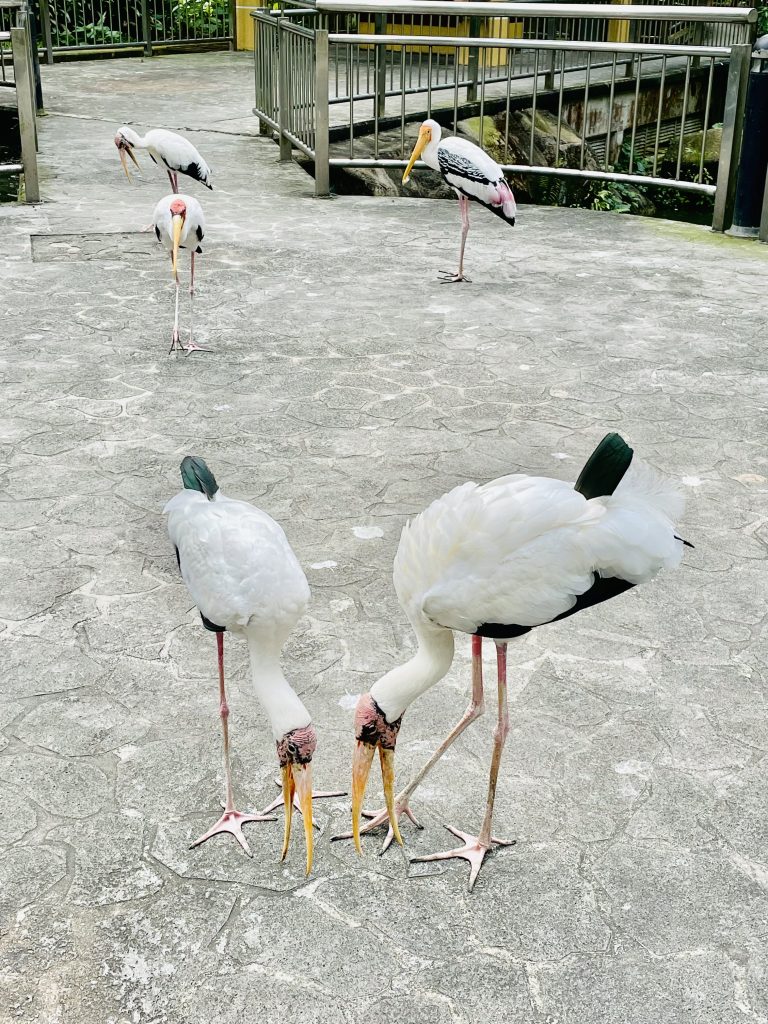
(244, 577)
(174, 152)
(496, 560)
(179, 224)
(471, 173)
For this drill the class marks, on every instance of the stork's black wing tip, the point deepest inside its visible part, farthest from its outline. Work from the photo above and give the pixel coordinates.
(604, 469)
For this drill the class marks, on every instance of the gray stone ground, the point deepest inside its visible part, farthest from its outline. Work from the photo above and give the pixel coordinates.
(347, 389)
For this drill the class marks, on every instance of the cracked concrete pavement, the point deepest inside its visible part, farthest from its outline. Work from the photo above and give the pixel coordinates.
(346, 390)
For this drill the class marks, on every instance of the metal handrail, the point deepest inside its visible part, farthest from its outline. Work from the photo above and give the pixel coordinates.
(584, 46)
(611, 12)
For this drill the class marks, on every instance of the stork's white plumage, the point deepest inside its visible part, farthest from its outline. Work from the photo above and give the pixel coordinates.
(471, 173)
(176, 154)
(243, 576)
(497, 560)
(179, 224)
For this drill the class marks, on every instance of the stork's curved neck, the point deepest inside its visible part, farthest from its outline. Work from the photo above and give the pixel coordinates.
(398, 688)
(283, 707)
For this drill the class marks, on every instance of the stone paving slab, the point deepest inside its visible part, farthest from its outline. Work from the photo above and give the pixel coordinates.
(346, 390)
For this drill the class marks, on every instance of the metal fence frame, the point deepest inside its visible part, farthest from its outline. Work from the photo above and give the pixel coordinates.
(24, 81)
(297, 107)
(148, 24)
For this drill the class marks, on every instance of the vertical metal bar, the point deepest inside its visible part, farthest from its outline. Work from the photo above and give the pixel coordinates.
(376, 61)
(351, 102)
(549, 33)
(322, 150)
(635, 111)
(730, 147)
(45, 16)
(585, 108)
(533, 101)
(610, 113)
(283, 93)
(474, 59)
(560, 108)
(380, 28)
(482, 92)
(429, 82)
(658, 114)
(25, 99)
(705, 125)
(402, 101)
(683, 114)
(146, 29)
(455, 87)
(510, 58)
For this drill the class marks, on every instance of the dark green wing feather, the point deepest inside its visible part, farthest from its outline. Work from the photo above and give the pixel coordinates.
(605, 467)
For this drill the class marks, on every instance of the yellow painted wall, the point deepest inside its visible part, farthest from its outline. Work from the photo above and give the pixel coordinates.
(618, 31)
(245, 25)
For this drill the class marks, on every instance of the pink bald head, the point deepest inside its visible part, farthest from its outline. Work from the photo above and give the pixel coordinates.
(297, 746)
(178, 208)
(372, 727)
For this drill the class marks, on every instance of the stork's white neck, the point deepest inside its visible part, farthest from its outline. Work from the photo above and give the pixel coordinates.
(398, 688)
(283, 707)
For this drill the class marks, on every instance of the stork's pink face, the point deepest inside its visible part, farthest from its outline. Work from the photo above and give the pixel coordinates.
(294, 752)
(179, 208)
(372, 732)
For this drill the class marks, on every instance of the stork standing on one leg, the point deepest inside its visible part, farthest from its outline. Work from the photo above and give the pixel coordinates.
(175, 153)
(179, 224)
(497, 560)
(471, 173)
(244, 577)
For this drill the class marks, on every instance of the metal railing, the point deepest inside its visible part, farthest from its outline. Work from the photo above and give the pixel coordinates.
(344, 98)
(83, 26)
(19, 37)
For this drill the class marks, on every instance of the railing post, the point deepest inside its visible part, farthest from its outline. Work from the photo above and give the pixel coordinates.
(380, 28)
(25, 99)
(283, 95)
(322, 154)
(146, 28)
(730, 146)
(473, 62)
(549, 77)
(45, 17)
(233, 24)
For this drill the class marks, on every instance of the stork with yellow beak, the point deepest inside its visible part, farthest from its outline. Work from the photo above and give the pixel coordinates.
(243, 576)
(471, 173)
(497, 560)
(179, 224)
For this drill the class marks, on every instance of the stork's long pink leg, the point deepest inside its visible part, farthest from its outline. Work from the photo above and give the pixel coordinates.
(475, 709)
(170, 178)
(231, 821)
(475, 848)
(446, 276)
(175, 336)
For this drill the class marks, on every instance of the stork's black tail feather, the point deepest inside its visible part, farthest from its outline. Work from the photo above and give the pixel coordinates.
(605, 467)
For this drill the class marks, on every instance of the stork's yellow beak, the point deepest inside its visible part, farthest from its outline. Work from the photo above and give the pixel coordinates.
(425, 136)
(177, 223)
(297, 778)
(361, 767)
(124, 162)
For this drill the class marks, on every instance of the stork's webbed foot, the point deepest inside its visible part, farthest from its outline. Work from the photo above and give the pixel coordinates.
(232, 822)
(378, 818)
(473, 851)
(451, 277)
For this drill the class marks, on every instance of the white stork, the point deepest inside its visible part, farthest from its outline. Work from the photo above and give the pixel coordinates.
(496, 560)
(174, 152)
(179, 224)
(244, 577)
(471, 173)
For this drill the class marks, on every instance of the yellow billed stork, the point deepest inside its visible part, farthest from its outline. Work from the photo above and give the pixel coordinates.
(174, 152)
(244, 577)
(496, 560)
(179, 224)
(471, 173)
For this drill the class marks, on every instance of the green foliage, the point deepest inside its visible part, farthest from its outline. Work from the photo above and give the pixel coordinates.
(92, 33)
(201, 18)
(762, 16)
